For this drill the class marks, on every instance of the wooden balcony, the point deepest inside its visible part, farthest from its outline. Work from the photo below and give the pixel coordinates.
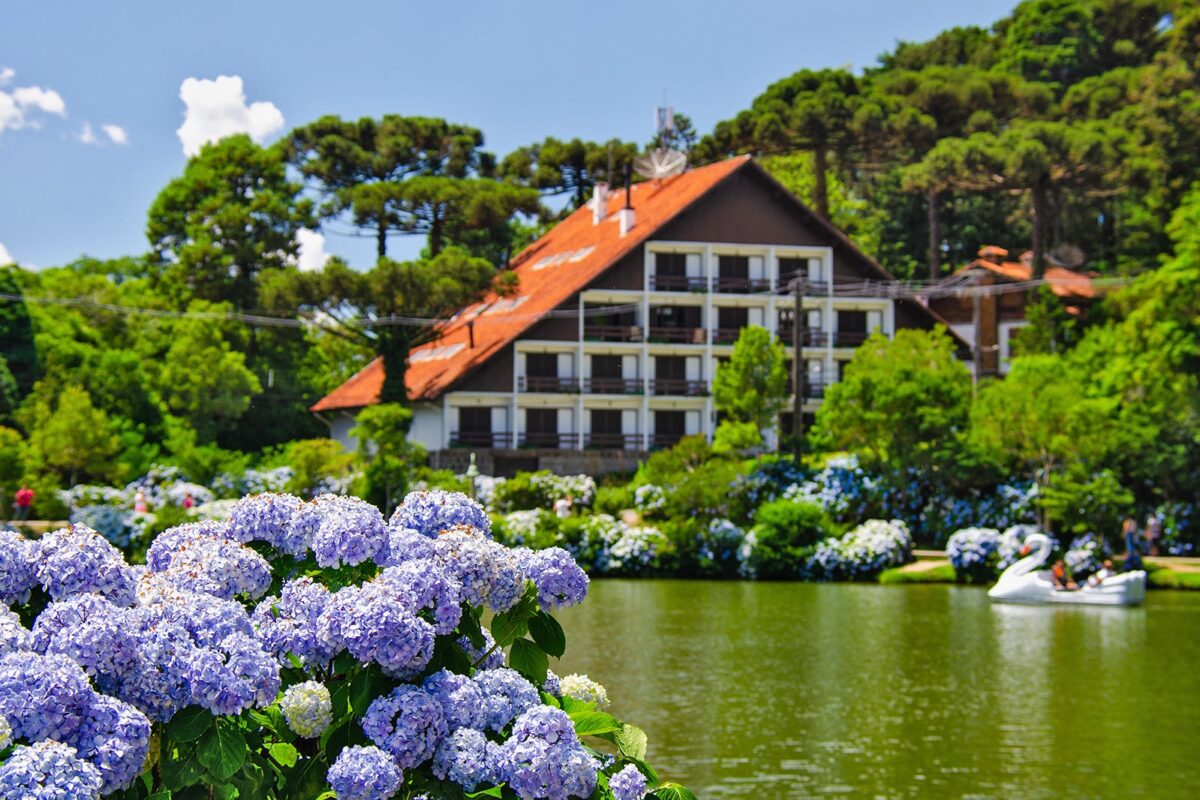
(679, 387)
(663, 440)
(724, 285)
(678, 283)
(547, 385)
(725, 335)
(613, 441)
(613, 385)
(612, 333)
(678, 335)
(483, 439)
(549, 440)
(812, 336)
(811, 288)
(849, 338)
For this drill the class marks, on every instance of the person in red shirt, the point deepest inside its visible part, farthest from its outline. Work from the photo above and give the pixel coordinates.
(24, 499)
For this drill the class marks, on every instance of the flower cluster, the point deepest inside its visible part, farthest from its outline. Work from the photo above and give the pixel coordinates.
(77, 560)
(307, 708)
(649, 498)
(364, 773)
(18, 567)
(583, 688)
(1084, 556)
(559, 580)
(862, 553)
(980, 554)
(433, 511)
(580, 488)
(628, 784)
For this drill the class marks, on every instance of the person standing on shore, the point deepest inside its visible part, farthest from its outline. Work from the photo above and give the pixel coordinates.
(1133, 545)
(24, 500)
(1154, 531)
(139, 502)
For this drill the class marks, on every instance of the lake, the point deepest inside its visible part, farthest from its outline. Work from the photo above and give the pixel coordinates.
(779, 690)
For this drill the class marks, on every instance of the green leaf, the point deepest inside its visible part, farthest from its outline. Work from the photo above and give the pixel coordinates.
(448, 655)
(632, 741)
(573, 706)
(494, 791)
(189, 724)
(180, 769)
(529, 660)
(646, 769)
(340, 699)
(514, 623)
(165, 794)
(285, 754)
(469, 627)
(672, 791)
(222, 750)
(548, 634)
(593, 723)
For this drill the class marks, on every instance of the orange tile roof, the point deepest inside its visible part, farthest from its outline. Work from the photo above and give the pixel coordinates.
(1062, 281)
(559, 264)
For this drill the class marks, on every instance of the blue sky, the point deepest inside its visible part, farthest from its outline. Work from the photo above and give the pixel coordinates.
(517, 70)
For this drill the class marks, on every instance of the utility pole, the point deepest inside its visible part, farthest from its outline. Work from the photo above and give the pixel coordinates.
(799, 334)
(977, 345)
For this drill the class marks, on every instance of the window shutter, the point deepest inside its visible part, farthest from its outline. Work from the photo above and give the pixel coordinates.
(500, 419)
(758, 269)
(692, 423)
(692, 265)
(629, 367)
(566, 365)
(756, 317)
(814, 319)
(693, 368)
(629, 421)
(874, 321)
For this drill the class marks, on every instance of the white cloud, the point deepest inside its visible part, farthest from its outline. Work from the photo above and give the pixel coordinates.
(217, 108)
(115, 133)
(312, 250)
(5, 258)
(87, 135)
(19, 107)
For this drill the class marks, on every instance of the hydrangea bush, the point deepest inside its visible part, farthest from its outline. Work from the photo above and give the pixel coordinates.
(981, 554)
(303, 650)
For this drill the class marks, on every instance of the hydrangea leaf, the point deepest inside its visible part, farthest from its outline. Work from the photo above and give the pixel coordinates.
(672, 791)
(284, 753)
(632, 741)
(548, 634)
(189, 724)
(222, 751)
(529, 660)
(594, 723)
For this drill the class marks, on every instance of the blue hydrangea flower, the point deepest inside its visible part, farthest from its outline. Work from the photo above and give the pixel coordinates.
(430, 512)
(628, 784)
(93, 632)
(77, 560)
(42, 697)
(408, 723)
(307, 708)
(289, 623)
(18, 567)
(218, 567)
(364, 773)
(268, 518)
(494, 658)
(506, 695)
(48, 771)
(552, 686)
(346, 530)
(374, 622)
(404, 545)
(459, 697)
(13, 635)
(232, 676)
(559, 580)
(469, 557)
(158, 555)
(462, 758)
(5, 733)
(509, 582)
(537, 770)
(551, 725)
(157, 684)
(115, 737)
(433, 587)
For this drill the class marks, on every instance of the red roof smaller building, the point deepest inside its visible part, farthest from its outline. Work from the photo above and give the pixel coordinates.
(1065, 283)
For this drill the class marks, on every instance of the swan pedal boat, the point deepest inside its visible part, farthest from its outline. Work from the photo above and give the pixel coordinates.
(1023, 582)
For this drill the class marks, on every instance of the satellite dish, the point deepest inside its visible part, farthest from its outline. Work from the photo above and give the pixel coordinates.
(660, 163)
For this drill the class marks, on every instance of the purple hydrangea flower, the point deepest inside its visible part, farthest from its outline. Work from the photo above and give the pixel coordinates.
(115, 737)
(346, 530)
(93, 632)
(433, 587)
(308, 708)
(551, 725)
(408, 723)
(289, 623)
(404, 545)
(431, 512)
(13, 636)
(77, 560)
(268, 518)
(535, 769)
(628, 784)
(559, 579)
(48, 770)
(18, 567)
(43, 697)
(364, 773)
(218, 567)
(232, 676)
(157, 684)
(509, 582)
(374, 622)
(158, 555)
(463, 758)
(552, 685)
(506, 695)
(469, 557)
(459, 697)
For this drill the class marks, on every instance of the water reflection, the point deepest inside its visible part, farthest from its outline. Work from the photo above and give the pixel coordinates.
(800, 690)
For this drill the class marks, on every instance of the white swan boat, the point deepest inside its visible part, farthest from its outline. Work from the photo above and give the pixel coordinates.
(1023, 582)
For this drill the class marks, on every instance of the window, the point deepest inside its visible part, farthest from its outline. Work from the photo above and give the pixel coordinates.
(541, 365)
(606, 421)
(606, 367)
(670, 264)
(670, 368)
(734, 266)
(852, 321)
(475, 419)
(541, 420)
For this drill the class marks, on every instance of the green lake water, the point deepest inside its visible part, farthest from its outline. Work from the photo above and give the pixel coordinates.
(776, 690)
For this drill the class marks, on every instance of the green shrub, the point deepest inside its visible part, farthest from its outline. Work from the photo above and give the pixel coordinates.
(1172, 579)
(535, 528)
(312, 460)
(785, 533)
(614, 499)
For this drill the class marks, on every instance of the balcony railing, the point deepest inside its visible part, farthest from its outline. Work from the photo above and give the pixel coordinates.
(613, 441)
(814, 390)
(849, 338)
(612, 333)
(812, 336)
(741, 285)
(612, 385)
(486, 439)
(662, 440)
(725, 335)
(678, 335)
(547, 384)
(678, 283)
(549, 440)
(811, 288)
(682, 387)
